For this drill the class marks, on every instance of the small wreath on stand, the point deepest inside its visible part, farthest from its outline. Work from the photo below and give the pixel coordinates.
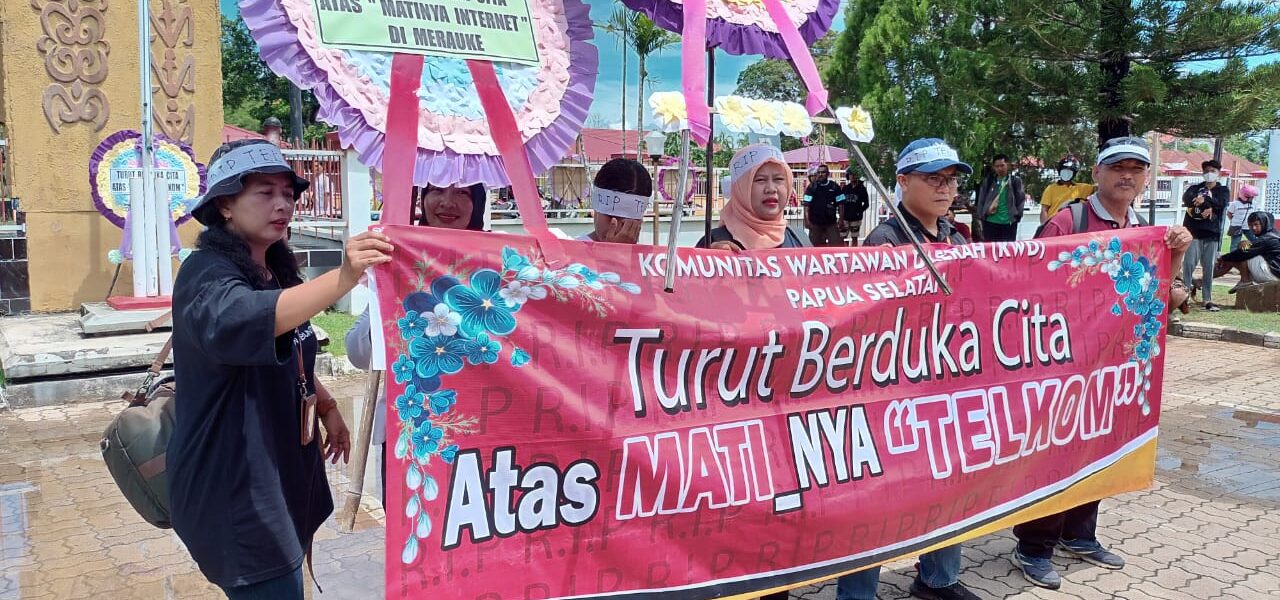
(662, 181)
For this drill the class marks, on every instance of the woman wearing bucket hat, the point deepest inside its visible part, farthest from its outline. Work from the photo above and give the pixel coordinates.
(246, 481)
(754, 218)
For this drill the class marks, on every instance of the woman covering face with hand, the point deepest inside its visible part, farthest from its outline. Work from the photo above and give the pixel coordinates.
(620, 196)
(245, 461)
(760, 183)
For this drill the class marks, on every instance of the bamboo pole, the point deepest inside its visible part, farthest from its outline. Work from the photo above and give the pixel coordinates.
(360, 454)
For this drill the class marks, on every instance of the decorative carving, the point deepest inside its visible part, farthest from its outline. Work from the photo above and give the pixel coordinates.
(175, 75)
(75, 57)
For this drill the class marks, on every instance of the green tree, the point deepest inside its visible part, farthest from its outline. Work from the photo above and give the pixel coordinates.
(1031, 78)
(772, 79)
(251, 92)
(647, 39)
(1249, 146)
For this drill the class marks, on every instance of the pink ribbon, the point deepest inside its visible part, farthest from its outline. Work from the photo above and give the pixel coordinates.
(506, 136)
(401, 153)
(693, 63)
(800, 57)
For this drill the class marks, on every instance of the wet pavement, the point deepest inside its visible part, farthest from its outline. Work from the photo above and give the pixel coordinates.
(1208, 529)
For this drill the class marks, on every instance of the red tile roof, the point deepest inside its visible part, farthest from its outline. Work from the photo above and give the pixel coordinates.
(600, 145)
(231, 133)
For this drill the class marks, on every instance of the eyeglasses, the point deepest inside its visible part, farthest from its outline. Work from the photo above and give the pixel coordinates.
(936, 180)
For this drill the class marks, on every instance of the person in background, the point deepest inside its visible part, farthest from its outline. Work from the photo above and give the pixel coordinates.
(620, 196)
(1258, 261)
(245, 464)
(929, 173)
(855, 205)
(960, 228)
(1237, 215)
(1124, 164)
(1064, 191)
(753, 218)
(999, 202)
(1205, 204)
(822, 209)
(450, 207)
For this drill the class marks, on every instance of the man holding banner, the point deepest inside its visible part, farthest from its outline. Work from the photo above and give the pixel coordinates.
(928, 175)
(1121, 174)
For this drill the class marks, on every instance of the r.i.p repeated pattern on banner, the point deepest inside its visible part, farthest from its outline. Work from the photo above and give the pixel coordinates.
(571, 430)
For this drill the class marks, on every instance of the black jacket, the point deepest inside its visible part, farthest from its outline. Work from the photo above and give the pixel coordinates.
(856, 202)
(990, 188)
(1202, 227)
(1267, 246)
(790, 239)
(891, 232)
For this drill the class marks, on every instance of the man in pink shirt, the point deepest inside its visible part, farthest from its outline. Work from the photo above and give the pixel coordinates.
(1124, 165)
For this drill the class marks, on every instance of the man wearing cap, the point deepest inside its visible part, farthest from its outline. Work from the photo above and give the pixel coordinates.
(999, 202)
(928, 176)
(1064, 191)
(822, 208)
(1121, 174)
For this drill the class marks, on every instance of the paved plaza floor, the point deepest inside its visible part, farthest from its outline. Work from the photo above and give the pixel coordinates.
(1208, 529)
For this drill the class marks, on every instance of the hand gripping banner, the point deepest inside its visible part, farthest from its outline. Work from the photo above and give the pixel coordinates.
(784, 417)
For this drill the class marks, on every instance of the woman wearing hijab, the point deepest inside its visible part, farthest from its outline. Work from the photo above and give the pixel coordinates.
(245, 464)
(754, 218)
(450, 207)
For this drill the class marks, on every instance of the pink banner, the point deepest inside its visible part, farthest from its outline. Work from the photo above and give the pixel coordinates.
(572, 431)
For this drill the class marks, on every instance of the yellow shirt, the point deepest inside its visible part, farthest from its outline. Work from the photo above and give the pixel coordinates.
(1057, 195)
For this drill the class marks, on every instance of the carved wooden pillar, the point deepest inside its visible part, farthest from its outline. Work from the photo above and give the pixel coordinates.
(173, 66)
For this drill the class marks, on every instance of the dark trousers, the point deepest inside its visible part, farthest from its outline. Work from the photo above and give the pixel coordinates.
(996, 232)
(284, 587)
(777, 596)
(1037, 538)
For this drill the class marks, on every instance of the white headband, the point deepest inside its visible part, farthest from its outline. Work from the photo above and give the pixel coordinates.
(928, 154)
(619, 204)
(1124, 149)
(751, 157)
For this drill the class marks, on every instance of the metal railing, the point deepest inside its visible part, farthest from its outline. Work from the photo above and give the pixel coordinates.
(321, 204)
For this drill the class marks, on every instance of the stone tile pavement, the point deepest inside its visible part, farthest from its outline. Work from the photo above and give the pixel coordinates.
(1209, 528)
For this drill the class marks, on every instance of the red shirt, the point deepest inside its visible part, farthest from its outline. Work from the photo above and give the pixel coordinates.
(1096, 219)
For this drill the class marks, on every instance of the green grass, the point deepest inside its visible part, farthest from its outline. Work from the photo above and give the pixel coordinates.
(1230, 317)
(336, 324)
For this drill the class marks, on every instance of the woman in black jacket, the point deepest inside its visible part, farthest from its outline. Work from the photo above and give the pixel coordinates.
(247, 484)
(1258, 262)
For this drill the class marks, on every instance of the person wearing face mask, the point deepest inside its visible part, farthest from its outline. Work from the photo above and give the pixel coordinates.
(449, 207)
(753, 218)
(1205, 204)
(620, 195)
(929, 173)
(245, 462)
(1259, 262)
(1237, 215)
(1064, 191)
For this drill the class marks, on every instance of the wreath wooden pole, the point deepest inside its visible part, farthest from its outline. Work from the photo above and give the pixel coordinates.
(360, 455)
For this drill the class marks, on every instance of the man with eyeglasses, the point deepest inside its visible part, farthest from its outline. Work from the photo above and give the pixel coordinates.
(928, 175)
(1124, 164)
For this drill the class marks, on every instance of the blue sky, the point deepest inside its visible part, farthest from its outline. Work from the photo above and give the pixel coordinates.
(665, 67)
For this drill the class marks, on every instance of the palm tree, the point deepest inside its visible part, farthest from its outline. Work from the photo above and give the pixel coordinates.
(621, 23)
(647, 38)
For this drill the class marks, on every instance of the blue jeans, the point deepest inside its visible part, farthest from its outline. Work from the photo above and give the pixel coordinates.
(938, 569)
(284, 587)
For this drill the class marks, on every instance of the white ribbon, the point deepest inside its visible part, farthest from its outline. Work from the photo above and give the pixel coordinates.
(928, 154)
(751, 157)
(619, 204)
(1125, 149)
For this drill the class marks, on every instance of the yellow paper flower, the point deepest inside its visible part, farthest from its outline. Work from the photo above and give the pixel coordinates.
(856, 123)
(766, 118)
(669, 111)
(733, 113)
(742, 3)
(795, 120)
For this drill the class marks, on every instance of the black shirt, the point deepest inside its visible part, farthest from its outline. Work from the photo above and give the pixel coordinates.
(822, 200)
(891, 232)
(1204, 227)
(856, 202)
(246, 496)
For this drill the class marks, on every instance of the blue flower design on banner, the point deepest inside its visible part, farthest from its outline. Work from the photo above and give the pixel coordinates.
(1136, 283)
(449, 325)
(481, 305)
